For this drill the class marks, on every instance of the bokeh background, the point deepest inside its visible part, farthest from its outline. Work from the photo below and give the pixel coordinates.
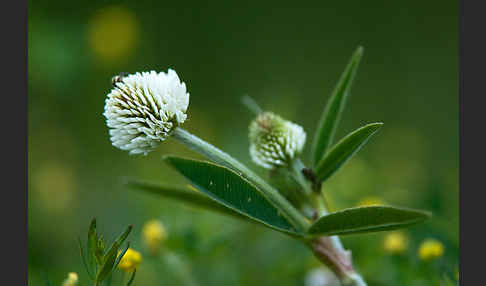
(288, 59)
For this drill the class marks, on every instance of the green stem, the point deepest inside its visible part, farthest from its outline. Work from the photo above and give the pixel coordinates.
(295, 170)
(296, 167)
(328, 249)
(195, 143)
(178, 268)
(353, 279)
(251, 104)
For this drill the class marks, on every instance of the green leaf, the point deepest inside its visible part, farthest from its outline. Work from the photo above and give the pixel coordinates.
(91, 244)
(46, 279)
(233, 191)
(110, 256)
(195, 143)
(344, 150)
(100, 249)
(83, 258)
(121, 238)
(185, 195)
(366, 219)
(446, 281)
(332, 113)
(107, 266)
(108, 280)
(132, 278)
(119, 258)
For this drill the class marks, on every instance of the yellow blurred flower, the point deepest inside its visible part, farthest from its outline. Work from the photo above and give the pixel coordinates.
(430, 249)
(395, 242)
(55, 184)
(112, 33)
(130, 261)
(71, 280)
(371, 201)
(154, 234)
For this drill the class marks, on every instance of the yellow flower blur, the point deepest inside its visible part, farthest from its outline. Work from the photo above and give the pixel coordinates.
(431, 249)
(130, 260)
(56, 185)
(371, 201)
(395, 242)
(113, 33)
(71, 280)
(154, 234)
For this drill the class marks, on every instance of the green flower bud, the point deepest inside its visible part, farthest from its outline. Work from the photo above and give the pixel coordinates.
(274, 141)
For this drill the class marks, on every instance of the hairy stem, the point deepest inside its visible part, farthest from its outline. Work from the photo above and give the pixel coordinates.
(296, 167)
(338, 259)
(328, 249)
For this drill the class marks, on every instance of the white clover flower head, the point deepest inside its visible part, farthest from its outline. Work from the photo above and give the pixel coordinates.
(274, 141)
(142, 109)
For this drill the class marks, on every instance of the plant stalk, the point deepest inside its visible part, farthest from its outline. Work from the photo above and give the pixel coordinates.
(328, 249)
(296, 167)
(251, 104)
(178, 268)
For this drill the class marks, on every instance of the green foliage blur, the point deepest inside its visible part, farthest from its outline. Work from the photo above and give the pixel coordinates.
(288, 59)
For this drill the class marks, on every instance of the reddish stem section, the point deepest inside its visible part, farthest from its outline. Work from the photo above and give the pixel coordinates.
(338, 260)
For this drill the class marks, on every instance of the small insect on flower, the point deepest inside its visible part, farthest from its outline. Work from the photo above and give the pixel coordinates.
(154, 234)
(118, 78)
(142, 109)
(130, 261)
(71, 280)
(274, 141)
(430, 249)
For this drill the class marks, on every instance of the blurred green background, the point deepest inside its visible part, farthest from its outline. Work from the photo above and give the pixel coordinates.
(288, 59)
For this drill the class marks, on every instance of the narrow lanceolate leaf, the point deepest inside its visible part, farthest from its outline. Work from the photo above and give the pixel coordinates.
(332, 113)
(186, 196)
(447, 281)
(366, 219)
(107, 266)
(91, 244)
(83, 258)
(132, 277)
(228, 188)
(344, 150)
(110, 256)
(119, 258)
(100, 249)
(46, 279)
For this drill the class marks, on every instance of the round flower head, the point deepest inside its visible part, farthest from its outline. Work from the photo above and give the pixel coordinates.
(130, 260)
(274, 141)
(143, 109)
(71, 280)
(430, 249)
(154, 233)
(395, 242)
